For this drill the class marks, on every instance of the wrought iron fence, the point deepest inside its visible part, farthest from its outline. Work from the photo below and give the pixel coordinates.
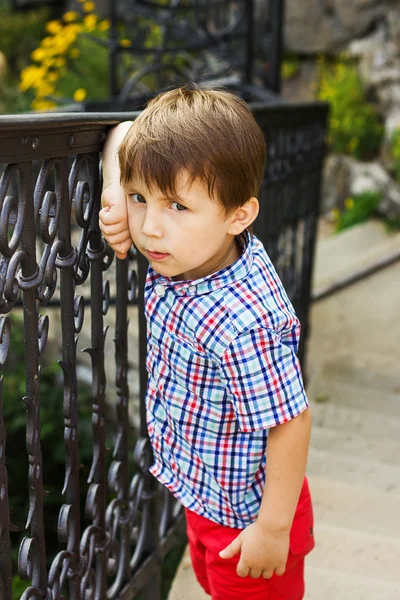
(52, 255)
(175, 41)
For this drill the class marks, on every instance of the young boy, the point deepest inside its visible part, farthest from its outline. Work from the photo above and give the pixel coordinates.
(227, 414)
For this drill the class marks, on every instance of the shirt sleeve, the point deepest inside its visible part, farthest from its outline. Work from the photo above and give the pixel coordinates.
(262, 378)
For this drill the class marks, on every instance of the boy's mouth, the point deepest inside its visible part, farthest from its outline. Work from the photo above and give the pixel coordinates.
(157, 255)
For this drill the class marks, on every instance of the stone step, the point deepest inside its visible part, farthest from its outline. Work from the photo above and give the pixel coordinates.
(340, 562)
(361, 322)
(355, 470)
(334, 384)
(185, 585)
(356, 396)
(355, 507)
(366, 423)
(339, 256)
(343, 586)
(367, 371)
(356, 553)
(351, 443)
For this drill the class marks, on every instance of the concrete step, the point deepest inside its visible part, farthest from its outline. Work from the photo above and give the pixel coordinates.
(354, 470)
(185, 585)
(367, 371)
(356, 507)
(341, 255)
(366, 423)
(352, 444)
(361, 322)
(356, 553)
(324, 584)
(356, 396)
(340, 563)
(345, 386)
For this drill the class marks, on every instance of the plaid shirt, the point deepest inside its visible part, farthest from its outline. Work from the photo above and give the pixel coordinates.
(222, 370)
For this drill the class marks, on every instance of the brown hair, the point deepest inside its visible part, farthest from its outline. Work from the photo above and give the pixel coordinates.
(211, 133)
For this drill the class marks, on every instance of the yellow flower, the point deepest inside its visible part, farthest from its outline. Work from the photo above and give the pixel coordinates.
(105, 25)
(349, 203)
(38, 54)
(44, 89)
(90, 22)
(125, 43)
(31, 77)
(335, 213)
(53, 27)
(74, 53)
(71, 15)
(73, 28)
(89, 6)
(43, 105)
(352, 145)
(52, 77)
(79, 95)
(46, 42)
(63, 40)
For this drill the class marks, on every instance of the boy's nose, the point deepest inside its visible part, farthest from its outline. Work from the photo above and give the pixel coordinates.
(152, 224)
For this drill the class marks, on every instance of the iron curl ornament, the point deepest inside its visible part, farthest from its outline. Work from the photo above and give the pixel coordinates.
(12, 219)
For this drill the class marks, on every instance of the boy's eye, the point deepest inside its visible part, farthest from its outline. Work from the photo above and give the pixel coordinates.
(178, 207)
(138, 198)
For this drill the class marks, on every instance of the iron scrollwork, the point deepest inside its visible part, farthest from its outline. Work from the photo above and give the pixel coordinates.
(51, 250)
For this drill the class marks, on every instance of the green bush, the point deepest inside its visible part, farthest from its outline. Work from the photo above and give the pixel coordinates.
(395, 151)
(68, 64)
(20, 33)
(358, 208)
(71, 63)
(18, 587)
(290, 66)
(355, 126)
(11, 99)
(392, 224)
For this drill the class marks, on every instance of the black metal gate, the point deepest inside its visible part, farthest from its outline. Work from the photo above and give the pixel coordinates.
(237, 43)
(56, 268)
(106, 534)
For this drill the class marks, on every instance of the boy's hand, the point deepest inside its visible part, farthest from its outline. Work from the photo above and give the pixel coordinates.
(263, 551)
(113, 219)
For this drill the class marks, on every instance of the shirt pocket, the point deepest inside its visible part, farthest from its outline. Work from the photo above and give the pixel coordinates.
(302, 531)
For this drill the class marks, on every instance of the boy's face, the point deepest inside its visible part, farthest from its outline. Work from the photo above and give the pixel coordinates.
(186, 238)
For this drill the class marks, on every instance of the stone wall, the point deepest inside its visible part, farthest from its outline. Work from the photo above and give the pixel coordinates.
(326, 26)
(370, 31)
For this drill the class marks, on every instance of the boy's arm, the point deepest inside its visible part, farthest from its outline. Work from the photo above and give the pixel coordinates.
(113, 218)
(286, 464)
(264, 545)
(111, 172)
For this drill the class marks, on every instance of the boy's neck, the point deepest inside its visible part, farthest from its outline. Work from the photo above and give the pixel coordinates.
(232, 255)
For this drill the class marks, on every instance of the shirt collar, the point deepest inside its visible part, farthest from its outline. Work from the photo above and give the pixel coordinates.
(226, 276)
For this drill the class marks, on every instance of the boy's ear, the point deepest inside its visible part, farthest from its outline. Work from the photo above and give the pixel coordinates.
(243, 216)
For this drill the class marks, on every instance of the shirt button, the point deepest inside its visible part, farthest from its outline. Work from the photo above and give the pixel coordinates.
(192, 289)
(159, 290)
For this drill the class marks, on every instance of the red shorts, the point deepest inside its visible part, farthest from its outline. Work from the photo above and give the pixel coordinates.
(218, 576)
